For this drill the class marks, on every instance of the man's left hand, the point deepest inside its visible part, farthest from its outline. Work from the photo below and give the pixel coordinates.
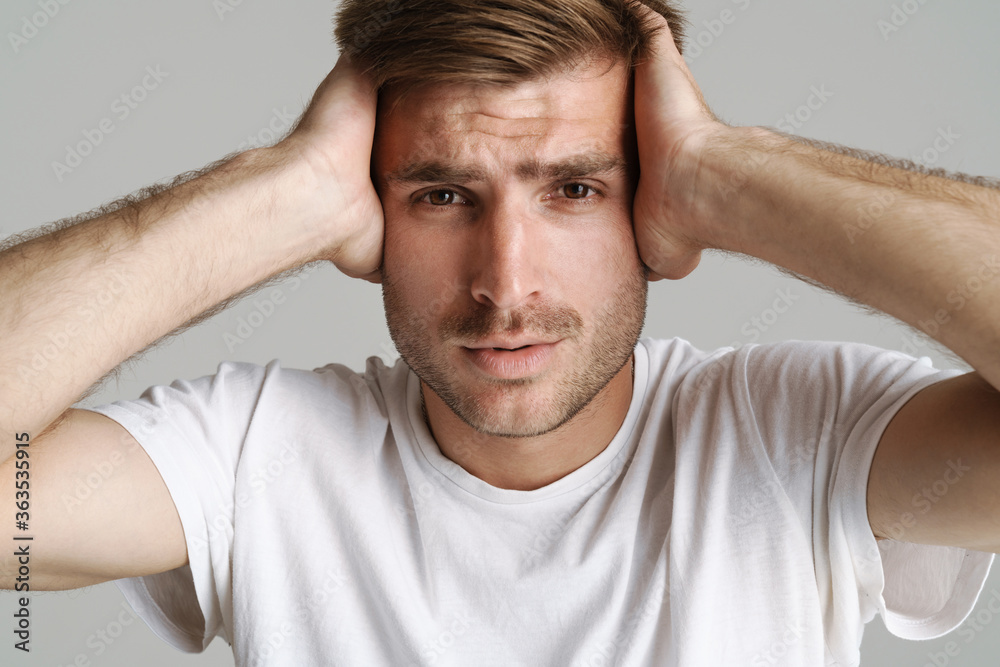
(673, 126)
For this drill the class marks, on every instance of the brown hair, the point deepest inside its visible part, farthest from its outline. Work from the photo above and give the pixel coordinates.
(411, 43)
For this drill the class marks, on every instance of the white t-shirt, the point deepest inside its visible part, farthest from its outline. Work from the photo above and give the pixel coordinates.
(725, 524)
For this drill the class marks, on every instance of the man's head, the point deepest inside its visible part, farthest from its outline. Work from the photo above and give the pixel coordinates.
(506, 177)
(406, 44)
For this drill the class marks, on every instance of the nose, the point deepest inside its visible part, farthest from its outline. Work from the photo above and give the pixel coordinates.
(508, 261)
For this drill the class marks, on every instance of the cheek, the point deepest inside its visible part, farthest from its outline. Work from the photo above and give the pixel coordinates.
(402, 246)
(622, 239)
(608, 251)
(392, 244)
(418, 278)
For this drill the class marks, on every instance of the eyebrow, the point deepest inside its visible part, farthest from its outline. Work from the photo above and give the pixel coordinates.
(576, 166)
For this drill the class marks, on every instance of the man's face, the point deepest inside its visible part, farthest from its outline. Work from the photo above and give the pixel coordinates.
(508, 224)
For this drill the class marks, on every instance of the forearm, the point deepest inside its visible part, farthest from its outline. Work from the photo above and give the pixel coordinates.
(922, 248)
(76, 303)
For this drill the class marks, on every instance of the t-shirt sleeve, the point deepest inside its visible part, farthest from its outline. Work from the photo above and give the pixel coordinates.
(825, 406)
(194, 432)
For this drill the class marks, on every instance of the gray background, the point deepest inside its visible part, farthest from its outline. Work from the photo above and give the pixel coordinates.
(227, 73)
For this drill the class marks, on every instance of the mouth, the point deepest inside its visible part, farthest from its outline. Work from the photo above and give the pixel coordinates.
(505, 345)
(510, 360)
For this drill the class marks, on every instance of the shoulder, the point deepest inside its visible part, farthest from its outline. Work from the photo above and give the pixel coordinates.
(273, 386)
(798, 361)
(794, 371)
(672, 356)
(839, 371)
(378, 382)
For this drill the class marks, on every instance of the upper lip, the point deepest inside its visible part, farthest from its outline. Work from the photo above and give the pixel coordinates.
(507, 343)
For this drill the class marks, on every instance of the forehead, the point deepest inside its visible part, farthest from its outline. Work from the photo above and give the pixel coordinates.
(583, 110)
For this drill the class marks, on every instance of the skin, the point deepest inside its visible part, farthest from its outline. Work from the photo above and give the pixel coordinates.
(540, 256)
(510, 264)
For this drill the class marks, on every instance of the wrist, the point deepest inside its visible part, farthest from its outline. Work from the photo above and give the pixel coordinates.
(328, 206)
(717, 187)
(287, 190)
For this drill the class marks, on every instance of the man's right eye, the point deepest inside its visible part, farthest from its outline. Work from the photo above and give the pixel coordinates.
(442, 197)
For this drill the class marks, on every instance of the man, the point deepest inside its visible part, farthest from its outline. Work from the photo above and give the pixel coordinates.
(548, 491)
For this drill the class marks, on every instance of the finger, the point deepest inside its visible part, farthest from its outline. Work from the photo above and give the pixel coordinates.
(663, 38)
(344, 82)
(666, 74)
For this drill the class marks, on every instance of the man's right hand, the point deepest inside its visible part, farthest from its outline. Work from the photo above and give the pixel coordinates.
(333, 139)
(76, 303)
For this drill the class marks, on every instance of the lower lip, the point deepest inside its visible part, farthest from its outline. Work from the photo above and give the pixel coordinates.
(511, 364)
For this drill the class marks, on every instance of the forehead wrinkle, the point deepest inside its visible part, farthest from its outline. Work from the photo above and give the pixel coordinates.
(502, 120)
(490, 126)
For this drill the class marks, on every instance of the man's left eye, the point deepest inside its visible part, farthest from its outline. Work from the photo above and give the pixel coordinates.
(441, 197)
(576, 190)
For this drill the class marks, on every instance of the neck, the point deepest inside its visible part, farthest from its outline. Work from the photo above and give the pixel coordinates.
(529, 463)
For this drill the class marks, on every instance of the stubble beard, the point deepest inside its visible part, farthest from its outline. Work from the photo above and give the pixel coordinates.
(500, 408)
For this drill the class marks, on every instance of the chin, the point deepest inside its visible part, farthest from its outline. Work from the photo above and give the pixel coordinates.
(510, 411)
